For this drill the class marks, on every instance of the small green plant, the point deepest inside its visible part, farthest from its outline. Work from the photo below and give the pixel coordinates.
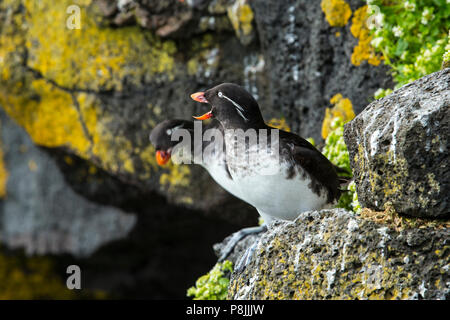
(336, 151)
(214, 284)
(411, 35)
(446, 57)
(356, 207)
(335, 148)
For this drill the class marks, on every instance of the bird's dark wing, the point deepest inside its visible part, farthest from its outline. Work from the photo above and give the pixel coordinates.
(320, 169)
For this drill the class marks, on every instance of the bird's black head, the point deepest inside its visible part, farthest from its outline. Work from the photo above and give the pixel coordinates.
(232, 105)
(161, 138)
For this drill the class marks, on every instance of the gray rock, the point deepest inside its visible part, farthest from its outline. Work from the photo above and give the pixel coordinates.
(335, 254)
(307, 63)
(238, 250)
(41, 213)
(399, 149)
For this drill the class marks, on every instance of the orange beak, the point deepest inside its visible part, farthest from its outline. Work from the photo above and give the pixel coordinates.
(204, 117)
(200, 97)
(162, 157)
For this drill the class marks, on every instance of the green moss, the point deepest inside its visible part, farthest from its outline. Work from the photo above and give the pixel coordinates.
(446, 56)
(336, 151)
(213, 285)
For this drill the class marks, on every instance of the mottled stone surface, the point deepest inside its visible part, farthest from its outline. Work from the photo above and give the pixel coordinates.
(90, 97)
(135, 63)
(308, 62)
(399, 149)
(128, 242)
(335, 254)
(55, 219)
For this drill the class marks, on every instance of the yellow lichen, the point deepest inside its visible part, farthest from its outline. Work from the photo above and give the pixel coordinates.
(91, 57)
(178, 176)
(53, 108)
(363, 50)
(68, 160)
(27, 278)
(3, 172)
(337, 12)
(279, 124)
(32, 165)
(393, 220)
(241, 17)
(48, 115)
(115, 152)
(342, 108)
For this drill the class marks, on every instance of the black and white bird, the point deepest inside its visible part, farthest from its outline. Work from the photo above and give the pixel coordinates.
(282, 184)
(299, 178)
(166, 146)
(282, 176)
(164, 138)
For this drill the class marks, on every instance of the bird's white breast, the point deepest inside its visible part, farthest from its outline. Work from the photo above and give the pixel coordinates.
(263, 182)
(216, 167)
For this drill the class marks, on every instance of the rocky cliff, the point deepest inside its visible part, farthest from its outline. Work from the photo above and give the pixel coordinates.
(335, 254)
(396, 247)
(78, 177)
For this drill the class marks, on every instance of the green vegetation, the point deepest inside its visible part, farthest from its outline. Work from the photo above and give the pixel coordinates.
(214, 284)
(411, 35)
(336, 151)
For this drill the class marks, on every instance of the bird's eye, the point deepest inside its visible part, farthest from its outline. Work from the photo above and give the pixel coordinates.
(220, 94)
(169, 132)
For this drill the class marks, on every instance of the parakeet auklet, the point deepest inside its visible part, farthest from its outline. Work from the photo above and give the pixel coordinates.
(214, 162)
(279, 185)
(161, 138)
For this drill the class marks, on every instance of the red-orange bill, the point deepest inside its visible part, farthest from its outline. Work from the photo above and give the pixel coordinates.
(162, 157)
(199, 97)
(204, 117)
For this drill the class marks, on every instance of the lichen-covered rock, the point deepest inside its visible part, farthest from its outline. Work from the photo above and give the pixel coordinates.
(90, 96)
(399, 149)
(310, 61)
(99, 90)
(62, 210)
(335, 254)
